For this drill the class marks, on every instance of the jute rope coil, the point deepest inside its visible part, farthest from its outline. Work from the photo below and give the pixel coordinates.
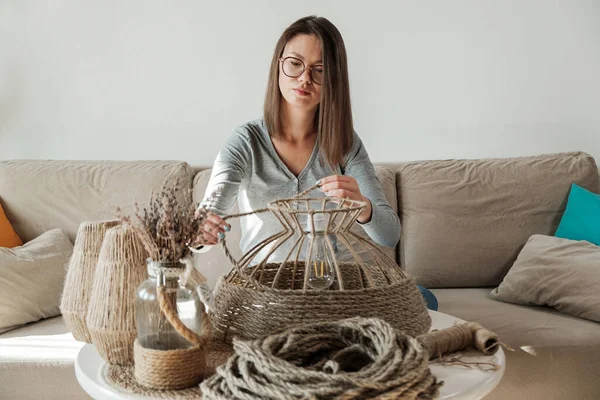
(258, 299)
(80, 276)
(459, 337)
(355, 358)
(443, 345)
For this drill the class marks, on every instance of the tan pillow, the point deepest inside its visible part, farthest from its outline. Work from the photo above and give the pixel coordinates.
(560, 273)
(31, 279)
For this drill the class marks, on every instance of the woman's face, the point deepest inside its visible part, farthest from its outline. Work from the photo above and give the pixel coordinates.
(298, 87)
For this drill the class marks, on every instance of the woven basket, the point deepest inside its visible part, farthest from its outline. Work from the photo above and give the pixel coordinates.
(111, 317)
(80, 276)
(259, 297)
(169, 369)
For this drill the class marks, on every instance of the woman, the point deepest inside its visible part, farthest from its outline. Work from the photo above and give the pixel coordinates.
(305, 137)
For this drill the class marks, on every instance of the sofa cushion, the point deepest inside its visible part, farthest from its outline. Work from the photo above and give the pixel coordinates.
(555, 272)
(40, 195)
(550, 373)
(37, 362)
(518, 325)
(581, 220)
(31, 278)
(465, 221)
(214, 263)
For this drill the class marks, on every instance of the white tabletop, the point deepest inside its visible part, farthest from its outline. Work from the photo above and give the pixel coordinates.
(459, 382)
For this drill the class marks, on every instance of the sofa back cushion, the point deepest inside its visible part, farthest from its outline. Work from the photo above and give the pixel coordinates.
(465, 221)
(40, 195)
(214, 263)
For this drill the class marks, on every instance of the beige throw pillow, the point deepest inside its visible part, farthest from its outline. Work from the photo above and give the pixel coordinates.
(560, 273)
(31, 279)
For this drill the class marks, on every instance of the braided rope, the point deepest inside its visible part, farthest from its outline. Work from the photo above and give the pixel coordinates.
(356, 358)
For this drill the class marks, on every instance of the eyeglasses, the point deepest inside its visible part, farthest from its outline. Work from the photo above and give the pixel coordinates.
(294, 67)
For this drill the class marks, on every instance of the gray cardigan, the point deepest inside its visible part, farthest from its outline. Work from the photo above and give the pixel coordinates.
(249, 170)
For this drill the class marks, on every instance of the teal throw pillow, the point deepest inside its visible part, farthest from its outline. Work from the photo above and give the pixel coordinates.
(581, 220)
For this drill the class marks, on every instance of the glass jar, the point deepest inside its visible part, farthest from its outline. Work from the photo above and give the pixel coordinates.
(154, 331)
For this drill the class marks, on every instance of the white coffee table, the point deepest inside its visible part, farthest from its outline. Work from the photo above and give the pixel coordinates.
(459, 382)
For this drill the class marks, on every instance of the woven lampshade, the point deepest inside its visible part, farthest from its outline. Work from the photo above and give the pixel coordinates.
(261, 296)
(111, 316)
(80, 274)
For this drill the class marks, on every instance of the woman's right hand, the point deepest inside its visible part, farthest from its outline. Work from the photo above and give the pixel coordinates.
(214, 229)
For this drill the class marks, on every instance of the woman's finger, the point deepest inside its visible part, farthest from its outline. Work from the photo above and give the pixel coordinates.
(213, 229)
(340, 185)
(342, 194)
(217, 220)
(209, 238)
(334, 178)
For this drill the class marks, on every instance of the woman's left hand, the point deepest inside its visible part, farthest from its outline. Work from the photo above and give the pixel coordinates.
(344, 186)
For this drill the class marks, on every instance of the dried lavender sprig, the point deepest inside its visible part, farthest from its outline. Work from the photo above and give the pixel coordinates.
(169, 226)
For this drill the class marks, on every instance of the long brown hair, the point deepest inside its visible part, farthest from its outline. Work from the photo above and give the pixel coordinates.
(333, 120)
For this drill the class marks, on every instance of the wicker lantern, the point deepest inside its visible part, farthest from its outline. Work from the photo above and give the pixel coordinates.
(315, 282)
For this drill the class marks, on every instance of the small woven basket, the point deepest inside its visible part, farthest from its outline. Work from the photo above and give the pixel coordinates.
(169, 369)
(260, 297)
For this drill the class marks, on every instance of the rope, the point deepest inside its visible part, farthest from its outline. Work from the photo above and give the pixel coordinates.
(167, 307)
(443, 344)
(355, 358)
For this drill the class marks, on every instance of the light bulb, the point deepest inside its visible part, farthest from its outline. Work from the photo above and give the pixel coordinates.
(320, 264)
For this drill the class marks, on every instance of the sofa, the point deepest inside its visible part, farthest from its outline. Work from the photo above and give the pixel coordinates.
(463, 225)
